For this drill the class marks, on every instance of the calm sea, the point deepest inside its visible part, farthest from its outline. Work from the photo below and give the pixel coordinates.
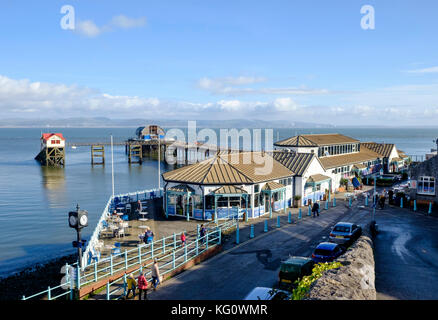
(34, 200)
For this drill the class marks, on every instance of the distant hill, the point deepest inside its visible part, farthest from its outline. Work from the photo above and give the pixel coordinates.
(102, 122)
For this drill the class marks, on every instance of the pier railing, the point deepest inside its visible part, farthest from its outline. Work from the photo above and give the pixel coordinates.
(170, 252)
(124, 198)
(167, 262)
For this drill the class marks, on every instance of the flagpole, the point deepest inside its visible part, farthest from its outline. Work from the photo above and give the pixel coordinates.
(159, 160)
(112, 165)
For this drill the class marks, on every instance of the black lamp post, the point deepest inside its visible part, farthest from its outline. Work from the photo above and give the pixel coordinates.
(77, 220)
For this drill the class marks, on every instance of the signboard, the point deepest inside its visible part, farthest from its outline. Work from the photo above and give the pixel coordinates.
(413, 184)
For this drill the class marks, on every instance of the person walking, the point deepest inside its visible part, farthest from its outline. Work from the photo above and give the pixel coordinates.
(131, 284)
(139, 207)
(315, 209)
(202, 232)
(142, 286)
(183, 239)
(155, 274)
(382, 199)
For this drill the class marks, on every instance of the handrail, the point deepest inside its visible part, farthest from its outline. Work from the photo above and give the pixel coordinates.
(118, 262)
(186, 256)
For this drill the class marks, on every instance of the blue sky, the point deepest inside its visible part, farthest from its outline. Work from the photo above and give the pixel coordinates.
(294, 60)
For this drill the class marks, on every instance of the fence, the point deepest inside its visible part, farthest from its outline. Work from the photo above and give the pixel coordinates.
(169, 262)
(169, 249)
(59, 291)
(123, 198)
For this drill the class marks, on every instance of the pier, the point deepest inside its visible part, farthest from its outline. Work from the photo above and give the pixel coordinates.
(52, 151)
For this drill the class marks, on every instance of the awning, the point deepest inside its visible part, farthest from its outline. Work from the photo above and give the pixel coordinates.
(229, 190)
(359, 166)
(317, 179)
(183, 188)
(271, 186)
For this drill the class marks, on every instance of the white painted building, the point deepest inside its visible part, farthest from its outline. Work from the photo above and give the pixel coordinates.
(51, 140)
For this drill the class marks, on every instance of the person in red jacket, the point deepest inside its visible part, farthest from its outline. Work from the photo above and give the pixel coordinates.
(142, 284)
(183, 239)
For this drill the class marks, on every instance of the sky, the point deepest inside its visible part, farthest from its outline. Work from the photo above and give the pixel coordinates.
(313, 61)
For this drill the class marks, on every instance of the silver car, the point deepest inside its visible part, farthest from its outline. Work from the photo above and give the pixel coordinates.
(345, 233)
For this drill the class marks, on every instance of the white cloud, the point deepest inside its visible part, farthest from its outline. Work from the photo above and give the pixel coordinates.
(124, 22)
(285, 104)
(24, 98)
(232, 86)
(89, 29)
(424, 70)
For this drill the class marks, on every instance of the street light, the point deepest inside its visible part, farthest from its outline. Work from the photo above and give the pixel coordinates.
(77, 220)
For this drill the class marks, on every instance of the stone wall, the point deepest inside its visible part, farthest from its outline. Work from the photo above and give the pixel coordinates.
(355, 280)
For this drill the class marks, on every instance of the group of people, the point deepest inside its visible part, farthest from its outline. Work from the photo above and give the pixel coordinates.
(142, 284)
(379, 199)
(315, 209)
(148, 236)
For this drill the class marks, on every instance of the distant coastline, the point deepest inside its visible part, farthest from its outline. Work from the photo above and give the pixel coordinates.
(101, 122)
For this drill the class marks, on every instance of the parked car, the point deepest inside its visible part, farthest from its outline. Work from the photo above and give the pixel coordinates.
(327, 252)
(292, 269)
(263, 293)
(345, 233)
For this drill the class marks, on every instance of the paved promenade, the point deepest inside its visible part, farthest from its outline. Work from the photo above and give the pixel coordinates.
(406, 252)
(255, 262)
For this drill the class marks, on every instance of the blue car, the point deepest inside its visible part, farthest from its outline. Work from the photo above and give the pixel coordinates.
(327, 252)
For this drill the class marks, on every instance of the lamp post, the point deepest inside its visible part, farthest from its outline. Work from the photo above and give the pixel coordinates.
(374, 197)
(77, 220)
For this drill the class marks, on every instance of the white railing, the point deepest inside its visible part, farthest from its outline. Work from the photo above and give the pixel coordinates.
(132, 197)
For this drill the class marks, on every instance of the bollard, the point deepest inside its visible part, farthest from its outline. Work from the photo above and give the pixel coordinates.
(107, 290)
(289, 218)
(206, 241)
(309, 213)
(415, 205)
(299, 214)
(278, 221)
(111, 264)
(266, 226)
(366, 200)
(124, 284)
(349, 202)
(329, 197)
(237, 234)
(326, 205)
(334, 202)
(251, 234)
(401, 202)
(430, 208)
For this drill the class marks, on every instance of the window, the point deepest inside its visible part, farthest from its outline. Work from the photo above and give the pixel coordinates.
(256, 188)
(426, 185)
